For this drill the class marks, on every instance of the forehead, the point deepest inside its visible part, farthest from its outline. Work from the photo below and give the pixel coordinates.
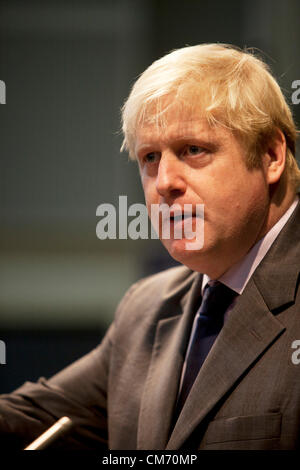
(179, 127)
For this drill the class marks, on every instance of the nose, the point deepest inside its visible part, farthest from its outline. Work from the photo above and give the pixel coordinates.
(170, 181)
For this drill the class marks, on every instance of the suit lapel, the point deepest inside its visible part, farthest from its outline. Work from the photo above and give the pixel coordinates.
(249, 331)
(160, 392)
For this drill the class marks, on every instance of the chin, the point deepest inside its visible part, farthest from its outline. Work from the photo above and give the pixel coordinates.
(185, 251)
(201, 260)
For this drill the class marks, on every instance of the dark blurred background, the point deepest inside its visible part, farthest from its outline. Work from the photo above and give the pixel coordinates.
(68, 67)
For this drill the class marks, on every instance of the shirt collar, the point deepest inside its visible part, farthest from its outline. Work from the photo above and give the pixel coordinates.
(237, 277)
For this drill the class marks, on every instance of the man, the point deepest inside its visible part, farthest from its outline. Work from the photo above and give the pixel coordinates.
(207, 125)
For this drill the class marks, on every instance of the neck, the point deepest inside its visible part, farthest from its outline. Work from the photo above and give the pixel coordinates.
(280, 200)
(282, 196)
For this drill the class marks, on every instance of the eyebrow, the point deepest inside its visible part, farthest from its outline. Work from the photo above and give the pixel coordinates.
(211, 141)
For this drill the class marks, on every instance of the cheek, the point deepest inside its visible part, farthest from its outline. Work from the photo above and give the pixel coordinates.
(246, 202)
(229, 199)
(150, 193)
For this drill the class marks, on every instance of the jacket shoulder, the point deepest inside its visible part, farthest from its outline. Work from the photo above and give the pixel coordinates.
(151, 292)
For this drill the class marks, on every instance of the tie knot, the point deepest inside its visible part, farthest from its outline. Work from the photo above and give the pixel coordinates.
(216, 298)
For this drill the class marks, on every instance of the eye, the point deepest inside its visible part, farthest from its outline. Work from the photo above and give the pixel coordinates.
(151, 157)
(193, 150)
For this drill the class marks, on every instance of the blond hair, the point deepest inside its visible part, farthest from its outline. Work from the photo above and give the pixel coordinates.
(221, 83)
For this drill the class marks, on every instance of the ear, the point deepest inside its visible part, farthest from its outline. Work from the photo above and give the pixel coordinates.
(275, 157)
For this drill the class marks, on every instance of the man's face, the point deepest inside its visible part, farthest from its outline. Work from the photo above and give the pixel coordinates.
(189, 162)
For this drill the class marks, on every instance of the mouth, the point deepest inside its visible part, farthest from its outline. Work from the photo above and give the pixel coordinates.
(183, 218)
(176, 218)
(180, 223)
(180, 217)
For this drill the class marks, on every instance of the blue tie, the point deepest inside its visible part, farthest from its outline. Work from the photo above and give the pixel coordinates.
(209, 321)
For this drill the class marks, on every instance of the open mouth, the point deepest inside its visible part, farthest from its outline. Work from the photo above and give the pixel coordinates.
(180, 217)
(176, 218)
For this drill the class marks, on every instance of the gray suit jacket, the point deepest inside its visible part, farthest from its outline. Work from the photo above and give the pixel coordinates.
(122, 395)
